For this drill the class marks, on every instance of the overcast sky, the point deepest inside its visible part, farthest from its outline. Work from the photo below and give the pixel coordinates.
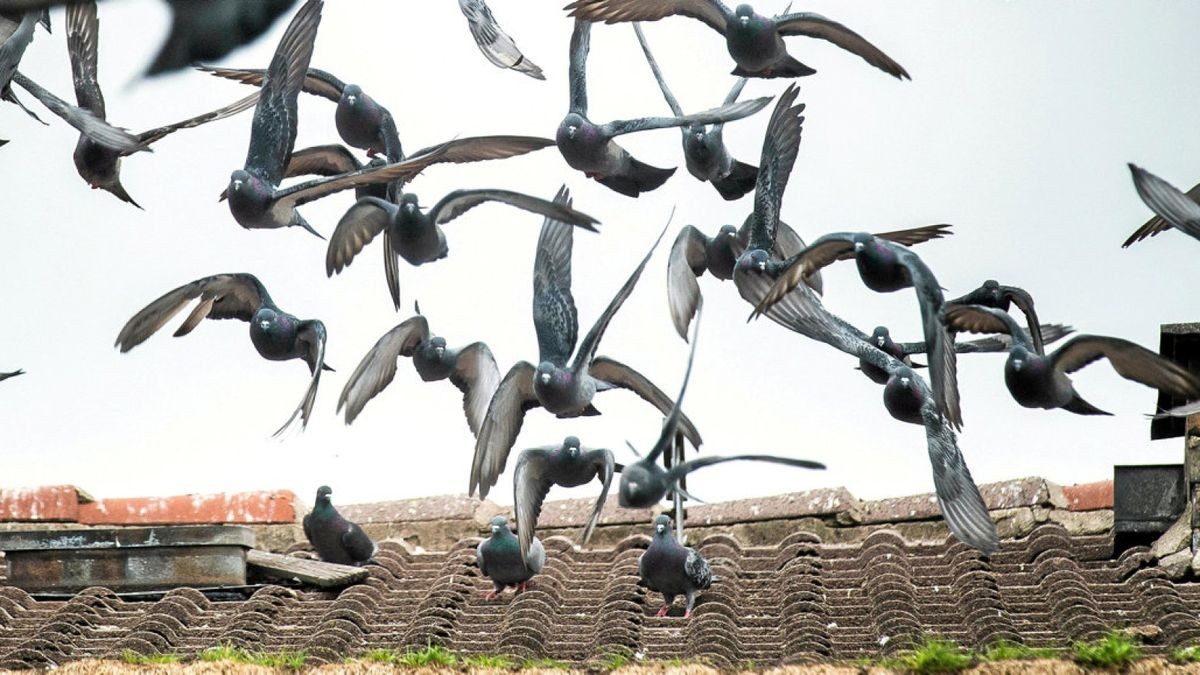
(1015, 128)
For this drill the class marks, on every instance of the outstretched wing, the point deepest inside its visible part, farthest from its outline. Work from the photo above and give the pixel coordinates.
(311, 334)
(1175, 208)
(477, 377)
(581, 43)
(153, 135)
(554, 315)
(618, 374)
(222, 296)
(658, 76)
(530, 487)
(459, 202)
(712, 12)
(719, 115)
(1131, 361)
(496, 45)
(781, 145)
(316, 82)
(688, 260)
(605, 467)
(817, 26)
(83, 35)
(482, 148)
(378, 367)
(943, 359)
(505, 415)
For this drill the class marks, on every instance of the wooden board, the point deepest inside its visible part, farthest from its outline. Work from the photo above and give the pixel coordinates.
(315, 572)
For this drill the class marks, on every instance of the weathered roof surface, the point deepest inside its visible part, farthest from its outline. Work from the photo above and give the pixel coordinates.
(800, 599)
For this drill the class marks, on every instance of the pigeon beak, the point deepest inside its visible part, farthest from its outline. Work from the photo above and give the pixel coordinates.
(744, 20)
(264, 324)
(495, 529)
(904, 381)
(660, 528)
(545, 378)
(1018, 363)
(440, 351)
(237, 185)
(879, 341)
(762, 266)
(351, 99)
(858, 247)
(572, 130)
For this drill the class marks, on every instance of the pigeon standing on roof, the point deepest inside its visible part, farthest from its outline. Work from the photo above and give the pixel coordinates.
(755, 42)
(992, 294)
(673, 569)
(500, 559)
(1171, 206)
(568, 464)
(277, 335)
(495, 44)
(590, 148)
(336, 539)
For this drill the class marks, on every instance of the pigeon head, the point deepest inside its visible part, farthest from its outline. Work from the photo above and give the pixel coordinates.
(549, 377)
(642, 486)
(409, 204)
(727, 231)
(438, 344)
(571, 446)
(265, 319)
(575, 129)
(248, 194)
(744, 13)
(881, 337)
(753, 261)
(500, 527)
(323, 493)
(1021, 358)
(662, 524)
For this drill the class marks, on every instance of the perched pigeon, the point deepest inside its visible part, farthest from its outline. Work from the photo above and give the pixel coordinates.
(336, 539)
(1040, 381)
(672, 569)
(644, 483)
(801, 311)
(562, 388)
(755, 42)
(5, 376)
(590, 147)
(277, 335)
(500, 559)
(495, 44)
(992, 294)
(1172, 207)
(417, 236)
(100, 166)
(568, 464)
(704, 148)
(472, 369)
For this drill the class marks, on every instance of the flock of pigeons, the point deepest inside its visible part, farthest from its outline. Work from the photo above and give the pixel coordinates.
(771, 266)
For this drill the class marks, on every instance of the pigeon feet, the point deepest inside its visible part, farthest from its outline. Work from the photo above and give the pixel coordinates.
(522, 587)
(491, 595)
(663, 611)
(687, 613)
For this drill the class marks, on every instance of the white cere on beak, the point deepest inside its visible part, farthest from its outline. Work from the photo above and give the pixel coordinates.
(879, 341)
(660, 528)
(237, 184)
(545, 378)
(264, 324)
(351, 99)
(1018, 363)
(904, 381)
(571, 130)
(858, 247)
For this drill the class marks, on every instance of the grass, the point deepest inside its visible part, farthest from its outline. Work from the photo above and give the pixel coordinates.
(1186, 655)
(1111, 651)
(133, 658)
(489, 661)
(545, 664)
(614, 660)
(430, 656)
(433, 656)
(935, 655)
(285, 660)
(1004, 650)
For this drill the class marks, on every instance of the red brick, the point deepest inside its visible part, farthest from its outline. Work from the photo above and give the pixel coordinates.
(55, 503)
(241, 507)
(1089, 496)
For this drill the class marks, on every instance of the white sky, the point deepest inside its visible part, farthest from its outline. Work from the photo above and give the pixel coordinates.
(1016, 129)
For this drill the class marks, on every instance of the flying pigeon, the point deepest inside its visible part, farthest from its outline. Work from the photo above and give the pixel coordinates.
(5, 376)
(495, 44)
(562, 388)
(801, 311)
(277, 335)
(590, 147)
(336, 539)
(672, 569)
(755, 42)
(500, 559)
(471, 368)
(704, 148)
(417, 236)
(568, 464)
(1171, 207)
(1040, 381)
(992, 294)
(98, 165)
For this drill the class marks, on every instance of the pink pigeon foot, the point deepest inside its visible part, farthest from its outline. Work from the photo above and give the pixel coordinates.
(663, 611)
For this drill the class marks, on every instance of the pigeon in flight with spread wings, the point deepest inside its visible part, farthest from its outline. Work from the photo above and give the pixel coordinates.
(1171, 206)
(495, 44)
(568, 464)
(993, 294)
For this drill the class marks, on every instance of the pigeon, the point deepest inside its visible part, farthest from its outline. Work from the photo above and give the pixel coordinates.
(672, 569)
(16, 32)
(471, 368)
(336, 539)
(500, 559)
(5, 376)
(563, 388)
(1171, 207)
(755, 42)
(568, 464)
(98, 165)
(801, 311)
(277, 335)
(992, 294)
(704, 148)
(1040, 381)
(903, 396)
(417, 236)
(644, 483)
(885, 265)
(361, 121)
(255, 200)
(590, 148)
(495, 44)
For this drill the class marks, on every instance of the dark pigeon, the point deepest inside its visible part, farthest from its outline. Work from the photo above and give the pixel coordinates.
(500, 559)
(992, 294)
(672, 569)
(495, 44)
(562, 386)
(336, 539)
(755, 42)
(590, 148)
(567, 464)
(472, 369)
(902, 351)
(1040, 381)
(1171, 206)
(5, 376)
(277, 335)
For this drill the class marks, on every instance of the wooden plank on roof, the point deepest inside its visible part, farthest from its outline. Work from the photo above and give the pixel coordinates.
(316, 572)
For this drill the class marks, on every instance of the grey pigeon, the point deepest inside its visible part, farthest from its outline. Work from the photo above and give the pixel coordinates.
(1040, 381)
(495, 44)
(704, 147)
(644, 483)
(276, 335)
(1171, 206)
(5, 376)
(993, 294)
(336, 539)
(500, 559)
(801, 311)
(417, 236)
(672, 569)
(568, 464)
(100, 166)
(590, 148)
(755, 42)
(562, 386)
(472, 369)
